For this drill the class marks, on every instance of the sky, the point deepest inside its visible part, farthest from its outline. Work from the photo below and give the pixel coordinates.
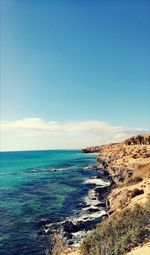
(73, 73)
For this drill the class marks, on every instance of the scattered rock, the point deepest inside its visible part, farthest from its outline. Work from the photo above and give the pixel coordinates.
(121, 160)
(68, 226)
(136, 192)
(94, 209)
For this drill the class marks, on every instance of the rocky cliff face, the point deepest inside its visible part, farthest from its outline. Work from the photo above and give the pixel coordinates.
(138, 140)
(128, 164)
(125, 159)
(134, 140)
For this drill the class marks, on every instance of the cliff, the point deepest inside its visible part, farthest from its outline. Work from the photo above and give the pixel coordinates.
(134, 140)
(128, 164)
(124, 160)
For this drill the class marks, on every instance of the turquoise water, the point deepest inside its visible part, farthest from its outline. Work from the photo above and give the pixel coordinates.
(36, 185)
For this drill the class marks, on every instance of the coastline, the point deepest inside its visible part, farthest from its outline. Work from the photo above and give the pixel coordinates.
(74, 229)
(95, 208)
(127, 166)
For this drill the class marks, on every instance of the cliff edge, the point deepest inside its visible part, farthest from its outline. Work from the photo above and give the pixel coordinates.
(124, 160)
(128, 164)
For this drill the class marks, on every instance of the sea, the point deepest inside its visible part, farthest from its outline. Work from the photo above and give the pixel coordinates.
(37, 185)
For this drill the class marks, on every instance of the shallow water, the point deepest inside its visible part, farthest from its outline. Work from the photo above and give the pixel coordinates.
(36, 185)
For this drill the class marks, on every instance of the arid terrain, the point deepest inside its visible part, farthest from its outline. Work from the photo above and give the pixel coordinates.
(128, 164)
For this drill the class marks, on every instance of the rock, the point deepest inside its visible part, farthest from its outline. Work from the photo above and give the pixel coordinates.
(104, 217)
(136, 192)
(138, 140)
(68, 235)
(120, 160)
(68, 226)
(129, 173)
(44, 221)
(70, 242)
(101, 189)
(101, 204)
(93, 209)
(87, 225)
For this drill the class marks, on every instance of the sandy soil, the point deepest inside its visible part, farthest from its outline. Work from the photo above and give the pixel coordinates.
(73, 252)
(121, 194)
(143, 250)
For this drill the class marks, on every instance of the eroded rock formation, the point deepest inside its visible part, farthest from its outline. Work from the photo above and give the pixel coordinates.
(121, 160)
(138, 140)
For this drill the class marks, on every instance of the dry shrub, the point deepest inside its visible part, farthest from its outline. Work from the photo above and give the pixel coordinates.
(134, 180)
(123, 202)
(128, 193)
(119, 233)
(58, 245)
(142, 171)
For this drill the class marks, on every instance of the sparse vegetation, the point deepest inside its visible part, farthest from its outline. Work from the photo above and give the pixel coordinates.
(142, 171)
(119, 233)
(123, 202)
(139, 174)
(134, 180)
(128, 225)
(58, 245)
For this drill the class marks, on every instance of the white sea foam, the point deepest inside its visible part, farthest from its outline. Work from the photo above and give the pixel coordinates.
(98, 182)
(91, 198)
(89, 216)
(61, 168)
(79, 237)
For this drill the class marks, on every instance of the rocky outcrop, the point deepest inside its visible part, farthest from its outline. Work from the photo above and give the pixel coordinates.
(138, 140)
(128, 166)
(92, 211)
(123, 159)
(134, 140)
(95, 149)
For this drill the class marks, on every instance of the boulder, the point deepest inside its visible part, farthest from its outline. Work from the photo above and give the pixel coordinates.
(70, 227)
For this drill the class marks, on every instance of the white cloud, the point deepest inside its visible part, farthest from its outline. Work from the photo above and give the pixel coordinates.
(36, 133)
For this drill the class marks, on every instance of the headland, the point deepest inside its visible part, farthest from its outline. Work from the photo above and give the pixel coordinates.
(126, 166)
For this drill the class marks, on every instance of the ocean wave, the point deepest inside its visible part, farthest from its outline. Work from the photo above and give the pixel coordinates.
(75, 227)
(61, 168)
(97, 182)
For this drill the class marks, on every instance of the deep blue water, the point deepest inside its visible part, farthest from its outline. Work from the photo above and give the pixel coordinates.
(30, 190)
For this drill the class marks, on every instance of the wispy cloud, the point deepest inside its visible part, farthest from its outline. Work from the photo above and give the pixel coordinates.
(38, 125)
(80, 133)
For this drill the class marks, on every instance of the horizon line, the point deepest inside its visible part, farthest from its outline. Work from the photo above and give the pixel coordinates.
(40, 150)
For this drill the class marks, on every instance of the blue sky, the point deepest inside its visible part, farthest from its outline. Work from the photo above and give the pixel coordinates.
(76, 61)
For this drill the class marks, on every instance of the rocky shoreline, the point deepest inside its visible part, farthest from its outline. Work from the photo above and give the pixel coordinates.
(93, 210)
(118, 165)
(121, 159)
(127, 167)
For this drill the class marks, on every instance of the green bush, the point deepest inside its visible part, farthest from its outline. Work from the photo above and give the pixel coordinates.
(118, 233)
